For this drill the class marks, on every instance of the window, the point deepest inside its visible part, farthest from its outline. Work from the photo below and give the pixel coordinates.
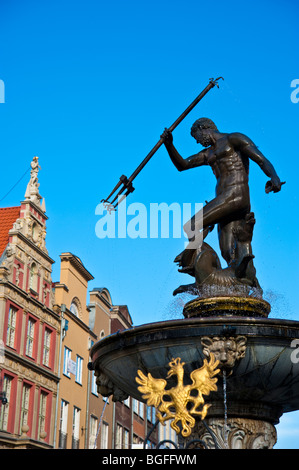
(102, 334)
(94, 388)
(31, 326)
(42, 413)
(79, 366)
(67, 357)
(135, 406)
(127, 402)
(63, 424)
(104, 436)
(11, 327)
(141, 410)
(93, 431)
(126, 439)
(138, 408)
(25, 406)
(4, 409)
(151, 414)
(74, 309)
(46, 349)
(76, 428)
(119, 436)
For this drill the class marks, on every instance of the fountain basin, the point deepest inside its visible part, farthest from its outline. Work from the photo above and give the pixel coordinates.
(264, 384)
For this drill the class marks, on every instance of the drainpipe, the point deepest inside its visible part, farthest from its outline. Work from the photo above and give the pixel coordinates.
(113, 426)
(132, 422)
(63, 307)
(146, 431)
(87, 410)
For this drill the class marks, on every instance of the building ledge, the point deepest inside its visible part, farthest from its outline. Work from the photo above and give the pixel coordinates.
(11, 441)
(25, 295)
(30, 364)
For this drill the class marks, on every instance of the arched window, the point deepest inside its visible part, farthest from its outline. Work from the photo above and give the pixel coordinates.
(75, 307)
(33, 277)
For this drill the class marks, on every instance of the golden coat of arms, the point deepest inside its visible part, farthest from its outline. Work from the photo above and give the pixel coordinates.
(181, 401)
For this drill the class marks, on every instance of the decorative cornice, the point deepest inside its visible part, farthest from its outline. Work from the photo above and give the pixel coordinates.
(26, 296)
(100, 294)
(77, 320)
(36, 208)
(32, 245)
(9, 354)
(117, 313)
(77, 263)
(60, 286)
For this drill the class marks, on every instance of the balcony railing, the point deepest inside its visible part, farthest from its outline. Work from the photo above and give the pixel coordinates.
(62, 440)
(75, 443)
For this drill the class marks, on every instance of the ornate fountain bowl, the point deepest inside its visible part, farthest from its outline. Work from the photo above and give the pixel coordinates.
(227, 305)
(263, 384)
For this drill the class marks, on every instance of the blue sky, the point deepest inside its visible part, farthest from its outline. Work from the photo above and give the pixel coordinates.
(89, 88)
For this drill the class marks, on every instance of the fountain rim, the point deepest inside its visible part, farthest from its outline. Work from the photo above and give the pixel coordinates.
(255, 323)
(141, 339)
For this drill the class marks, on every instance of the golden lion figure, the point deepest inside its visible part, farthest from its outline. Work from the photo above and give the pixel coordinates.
(175, 408)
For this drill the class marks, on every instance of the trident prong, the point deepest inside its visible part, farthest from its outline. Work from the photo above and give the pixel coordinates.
(126, 183)
(214, 82)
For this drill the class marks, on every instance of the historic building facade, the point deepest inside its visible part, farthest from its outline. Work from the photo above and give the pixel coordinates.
(29, 327)
(48, 396)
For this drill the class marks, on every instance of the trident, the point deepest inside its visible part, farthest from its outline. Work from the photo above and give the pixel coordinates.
(125, 184)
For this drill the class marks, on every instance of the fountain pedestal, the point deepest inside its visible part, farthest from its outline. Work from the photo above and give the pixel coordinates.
(235, 433)
(258, 381)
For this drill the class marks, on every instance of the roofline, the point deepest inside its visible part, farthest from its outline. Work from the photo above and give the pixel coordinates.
(99, 291)
(10, 207)
(77, 263)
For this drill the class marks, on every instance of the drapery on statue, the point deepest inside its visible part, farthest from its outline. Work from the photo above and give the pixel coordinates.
(32, 191)
(228, 155)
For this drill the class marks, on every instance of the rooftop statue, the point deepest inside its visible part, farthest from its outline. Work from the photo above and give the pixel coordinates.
(228, 155)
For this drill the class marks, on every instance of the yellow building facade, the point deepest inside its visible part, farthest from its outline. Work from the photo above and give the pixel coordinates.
(70, 301)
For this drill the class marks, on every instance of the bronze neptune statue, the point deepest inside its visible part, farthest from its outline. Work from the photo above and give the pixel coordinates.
(228, 155)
